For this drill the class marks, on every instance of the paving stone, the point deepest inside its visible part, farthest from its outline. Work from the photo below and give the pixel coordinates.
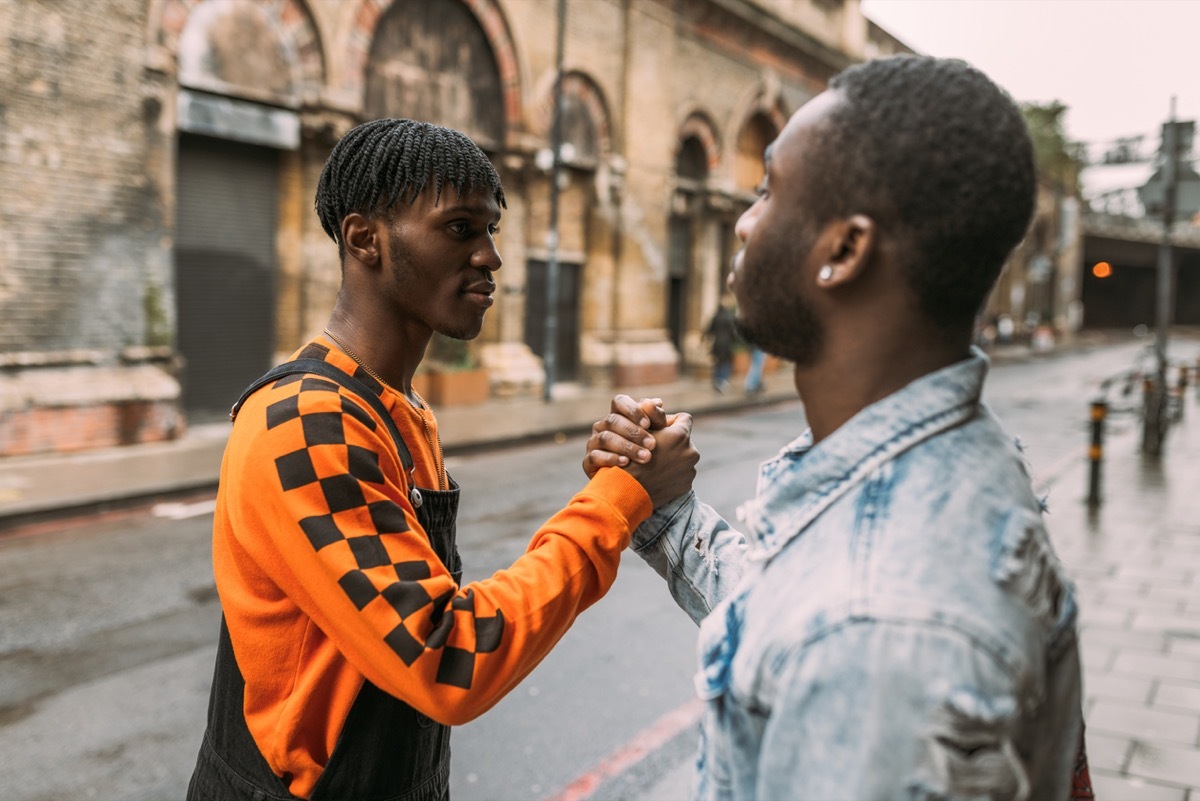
(1104, 616)
(1147, 663)
(1176, 595)
(1122, 637)
(1109, 787)
(1183, 646)
(1131, 689)
(1156, 575)
(1096, 657)
(1177, 694)
(1159, 621)
(1172, 764)
(1144, 723)
(1107, 751)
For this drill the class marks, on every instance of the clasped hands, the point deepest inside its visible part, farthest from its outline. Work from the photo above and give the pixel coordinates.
(653, 446)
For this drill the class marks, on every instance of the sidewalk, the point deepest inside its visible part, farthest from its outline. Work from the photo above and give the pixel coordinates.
(39, 487)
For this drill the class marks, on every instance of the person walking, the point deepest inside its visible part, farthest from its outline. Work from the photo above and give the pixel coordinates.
(721, 337)
(348, 644)
(893, 622)
(754, 375)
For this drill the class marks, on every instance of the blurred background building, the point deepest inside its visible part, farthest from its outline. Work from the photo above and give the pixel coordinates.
(159, 249)
(158, 246)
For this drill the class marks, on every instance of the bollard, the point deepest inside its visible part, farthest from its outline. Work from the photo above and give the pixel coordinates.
(1181, 392)
(1096, 450)
(1154, 418)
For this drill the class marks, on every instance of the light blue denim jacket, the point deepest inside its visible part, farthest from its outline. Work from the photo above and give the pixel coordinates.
(894, 622)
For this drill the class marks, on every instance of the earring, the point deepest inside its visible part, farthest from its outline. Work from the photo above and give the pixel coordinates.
(825, 274)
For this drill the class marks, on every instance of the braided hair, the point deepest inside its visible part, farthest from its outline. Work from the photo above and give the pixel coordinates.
(379, 163)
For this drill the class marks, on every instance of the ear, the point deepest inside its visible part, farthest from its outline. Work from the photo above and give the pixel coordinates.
(362, 239)
(850, 243)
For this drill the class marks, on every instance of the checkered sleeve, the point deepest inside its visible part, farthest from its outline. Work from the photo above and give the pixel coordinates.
(324, 481)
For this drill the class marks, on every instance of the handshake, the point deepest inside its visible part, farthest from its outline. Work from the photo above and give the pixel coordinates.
(628, 435)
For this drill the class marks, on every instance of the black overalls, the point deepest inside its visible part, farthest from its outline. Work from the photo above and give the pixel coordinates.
(387, 751)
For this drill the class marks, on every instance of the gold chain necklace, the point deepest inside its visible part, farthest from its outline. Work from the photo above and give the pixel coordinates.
(439, 459)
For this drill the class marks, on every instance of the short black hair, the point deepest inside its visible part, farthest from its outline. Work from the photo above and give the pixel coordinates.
(940, 157)
(379, 163)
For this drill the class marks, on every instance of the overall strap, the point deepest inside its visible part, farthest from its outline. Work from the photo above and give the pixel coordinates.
(327, 370)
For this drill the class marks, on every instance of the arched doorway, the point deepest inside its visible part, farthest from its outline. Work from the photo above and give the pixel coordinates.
(243, 68)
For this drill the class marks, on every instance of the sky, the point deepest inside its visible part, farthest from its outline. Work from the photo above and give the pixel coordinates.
(1114, 63)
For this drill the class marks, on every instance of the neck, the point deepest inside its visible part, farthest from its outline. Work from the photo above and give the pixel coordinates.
(393, 357)
(836, 389)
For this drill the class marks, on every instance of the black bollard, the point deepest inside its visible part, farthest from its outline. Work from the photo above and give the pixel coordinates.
(1096, 450)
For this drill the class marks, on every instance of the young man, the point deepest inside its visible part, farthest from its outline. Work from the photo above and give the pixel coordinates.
(348, 645)
(894, 622)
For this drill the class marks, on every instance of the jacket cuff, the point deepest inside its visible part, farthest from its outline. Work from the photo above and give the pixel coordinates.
(658, 522)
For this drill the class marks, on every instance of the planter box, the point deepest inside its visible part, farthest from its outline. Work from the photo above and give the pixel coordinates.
(457, 387)
(741, 362)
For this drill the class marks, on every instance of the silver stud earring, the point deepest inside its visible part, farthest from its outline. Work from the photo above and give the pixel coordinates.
(825, 274)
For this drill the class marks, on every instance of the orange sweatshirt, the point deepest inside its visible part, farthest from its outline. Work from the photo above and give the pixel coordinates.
(326, 577)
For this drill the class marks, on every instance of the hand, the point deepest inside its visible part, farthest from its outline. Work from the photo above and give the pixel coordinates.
(624, 435)
(673, 469)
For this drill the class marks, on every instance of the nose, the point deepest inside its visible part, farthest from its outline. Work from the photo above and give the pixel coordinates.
(745, 223)
(488, 257)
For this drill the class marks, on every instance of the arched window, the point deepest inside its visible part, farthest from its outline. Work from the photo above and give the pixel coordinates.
(692, 160)
(431, 60)
(758, 132)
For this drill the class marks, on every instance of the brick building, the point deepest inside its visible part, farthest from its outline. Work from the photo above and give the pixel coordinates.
(158, 246)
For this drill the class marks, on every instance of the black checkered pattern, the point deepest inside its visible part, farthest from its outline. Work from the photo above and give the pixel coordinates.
(340, 493)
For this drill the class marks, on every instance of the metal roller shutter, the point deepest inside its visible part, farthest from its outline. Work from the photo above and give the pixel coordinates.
(225, 265)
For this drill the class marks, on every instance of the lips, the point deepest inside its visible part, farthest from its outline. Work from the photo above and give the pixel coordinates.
(481, 292)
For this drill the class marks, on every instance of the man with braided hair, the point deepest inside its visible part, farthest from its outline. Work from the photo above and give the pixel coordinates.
(891, 622)
(348, 645)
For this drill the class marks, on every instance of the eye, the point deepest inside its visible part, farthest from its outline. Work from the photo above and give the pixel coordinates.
(761, 190)
(459, 227)
(494, 229)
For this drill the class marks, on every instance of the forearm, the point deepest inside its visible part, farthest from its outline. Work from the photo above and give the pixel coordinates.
(699, 554)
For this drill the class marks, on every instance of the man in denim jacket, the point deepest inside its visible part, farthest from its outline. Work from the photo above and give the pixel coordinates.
(893, 623)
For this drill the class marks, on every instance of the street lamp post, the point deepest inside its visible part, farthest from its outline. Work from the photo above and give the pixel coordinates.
(550, 344)
(1155, 417)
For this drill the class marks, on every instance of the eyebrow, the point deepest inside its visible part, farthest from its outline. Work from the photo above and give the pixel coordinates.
(467, 208)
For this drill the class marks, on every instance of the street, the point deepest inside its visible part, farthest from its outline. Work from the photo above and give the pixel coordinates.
(108, 626)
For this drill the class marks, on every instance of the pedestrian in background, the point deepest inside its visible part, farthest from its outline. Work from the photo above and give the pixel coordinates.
(754, 375)
(347, 643)
(721, 337)
(893, 623)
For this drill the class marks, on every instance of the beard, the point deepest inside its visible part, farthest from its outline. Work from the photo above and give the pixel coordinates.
(792, 332)
(409, 283)
(773, 313)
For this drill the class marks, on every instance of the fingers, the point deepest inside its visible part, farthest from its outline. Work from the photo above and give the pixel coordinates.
(653, 409)
(631, 410)
(682, 421)
(596, 459)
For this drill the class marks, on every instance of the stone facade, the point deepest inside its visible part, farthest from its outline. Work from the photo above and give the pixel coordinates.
(125, 125)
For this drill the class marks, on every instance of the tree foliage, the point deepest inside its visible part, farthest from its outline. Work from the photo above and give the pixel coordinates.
(1059, 160)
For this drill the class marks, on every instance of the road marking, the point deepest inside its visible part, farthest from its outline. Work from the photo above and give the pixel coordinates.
(645, 743)
(183, 511)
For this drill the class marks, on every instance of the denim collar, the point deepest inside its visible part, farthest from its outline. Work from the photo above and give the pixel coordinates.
(795, 487)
